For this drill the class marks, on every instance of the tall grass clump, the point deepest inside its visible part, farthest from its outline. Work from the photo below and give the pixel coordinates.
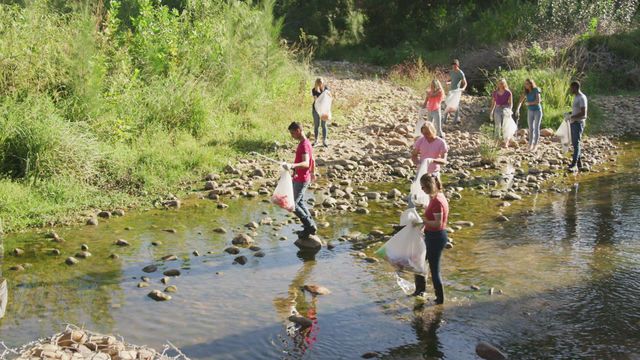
(412, 73)
(103, 105)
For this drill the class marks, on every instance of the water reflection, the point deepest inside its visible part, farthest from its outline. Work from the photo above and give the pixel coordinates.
(299, 303)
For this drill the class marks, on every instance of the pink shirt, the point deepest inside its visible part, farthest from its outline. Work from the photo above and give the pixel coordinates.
(303, 174)
(433, 103)
(437, 205)
(434, 149)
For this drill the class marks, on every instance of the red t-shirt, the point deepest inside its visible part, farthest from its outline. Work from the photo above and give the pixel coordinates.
(436, 205)
(303, 174)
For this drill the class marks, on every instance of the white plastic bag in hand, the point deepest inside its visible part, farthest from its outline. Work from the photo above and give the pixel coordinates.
(323, 105)
(410, 217)
(453, 100)
(406, 250)
(422, 113)
(509, 126)
(564, 133)
(418, 196)
(283, 194)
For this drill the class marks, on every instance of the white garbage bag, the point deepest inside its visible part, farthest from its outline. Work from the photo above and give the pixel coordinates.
(406, 250)
(418, 196)
(453, 100)
(564, 133)
(323, 105)
(509, 126)
(408, 216)
(283, 194)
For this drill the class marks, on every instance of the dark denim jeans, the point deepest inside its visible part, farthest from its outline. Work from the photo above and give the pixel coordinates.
(301, 209)
(577, 127)
(435, 241)
(316, 124)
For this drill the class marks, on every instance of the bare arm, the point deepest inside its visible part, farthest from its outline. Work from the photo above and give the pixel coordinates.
(414, 155)
(510, 102)
(303, 164)
(493, 106)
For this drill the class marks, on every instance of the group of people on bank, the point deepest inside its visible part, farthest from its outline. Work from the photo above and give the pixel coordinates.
(432, 145)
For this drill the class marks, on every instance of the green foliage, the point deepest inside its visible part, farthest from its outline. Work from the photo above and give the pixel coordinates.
(99, 109)
(553, 83)
(489, 146)
(414, 74)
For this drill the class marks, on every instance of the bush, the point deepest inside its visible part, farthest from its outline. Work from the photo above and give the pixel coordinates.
(99, 109)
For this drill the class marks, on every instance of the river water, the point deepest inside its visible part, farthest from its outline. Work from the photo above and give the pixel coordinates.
(565, 270)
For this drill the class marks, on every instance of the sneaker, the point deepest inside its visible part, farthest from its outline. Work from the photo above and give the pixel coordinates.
(572, 168)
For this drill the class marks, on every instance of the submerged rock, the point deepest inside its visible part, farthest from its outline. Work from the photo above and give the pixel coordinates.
(233, 250)
(489, 352)
(150, 268)
(171, 272)
(316, 289)
(158, 295)
(240, 260)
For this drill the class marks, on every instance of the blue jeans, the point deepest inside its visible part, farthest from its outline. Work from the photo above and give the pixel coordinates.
(435, 117)
(534, 118)
(301, 210)
(316, 124)
(435, 241)
(576, 133)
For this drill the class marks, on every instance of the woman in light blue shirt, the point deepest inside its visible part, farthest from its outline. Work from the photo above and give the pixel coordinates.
(532, 94)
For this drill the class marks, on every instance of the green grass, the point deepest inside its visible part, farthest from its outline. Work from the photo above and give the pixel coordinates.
(111, 115)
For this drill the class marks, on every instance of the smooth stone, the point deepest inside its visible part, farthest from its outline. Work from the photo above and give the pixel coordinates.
(259, 254)
(122, 242)
(83, 254)
(475, 287)
(114, 256)
(156, 243)
(316, 289)
(302, 321)
(104, 214)
(171, 272)
(165, 280)
(242, 240)
(171, 231)
(220, 230)
(17, 268)
(170, 257)
(150, 268)
(143, 284)
(233, 250)
(196, 253)
(71, 260)
(254, 248)
(489, 352)
(370, 259)
(158, 295)
(171, 289)
(512, 196)
(144, 278)
(312, 242)
(84, 247)
(55, 252)
(502, 218)
(240, 260)
(18, 252)
(92, 221)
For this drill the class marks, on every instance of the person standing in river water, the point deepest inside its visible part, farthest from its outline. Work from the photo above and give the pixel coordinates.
(317, 90)
(577, 121)
(533, 96)
(303, 166)
(435, 235)
(457, 81)
(429, 146)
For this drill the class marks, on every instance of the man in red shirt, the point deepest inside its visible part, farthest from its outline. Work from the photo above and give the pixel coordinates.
(303, 166)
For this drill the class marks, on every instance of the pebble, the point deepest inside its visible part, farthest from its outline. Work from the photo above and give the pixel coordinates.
(18, 252)
(83, 254)
(122, 242)
(156, 243)
(242, 240)
(169, 257)
(502, 218)
(171, 231)
(171, 289)
(143, 284)
(165, 280)
(55, 252)
(171, 272)
(233, 250)
(259, 254)
(104, 214)
(240, 260)
(220, 230)
(489, 352)
(114, 256)
(71, 260)
(370, 355)
(370, 259)
(196, 253)
(316, 289)
(84, 247)
(92, 221)
(158, 295)
(150, 268)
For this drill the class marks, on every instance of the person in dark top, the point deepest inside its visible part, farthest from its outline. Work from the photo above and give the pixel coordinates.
(435, 235)
(318, 89)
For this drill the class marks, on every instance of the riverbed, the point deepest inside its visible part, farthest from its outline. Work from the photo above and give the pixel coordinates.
(560, 280)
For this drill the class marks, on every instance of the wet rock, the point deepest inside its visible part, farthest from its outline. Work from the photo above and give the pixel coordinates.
(372, 260)
(172, 203)
(502, 218)
(512, 196)
(122, 242)
(83, 255)
(242, 240)
(233, 250)
(144, 278)
(259, 254)
(195, 253)
(475, 287)
(252, 225)
(171, 289)
(316, 289)
(254, 248)
(489, 352)
(71, 261)
(169, 257)
(158, 295)
(165, 280)
(118, 212)
(150, 269)
(240, 260)
(312, 242)
(104, 214)
(143, 284)
(301, 321)
(17, 252)
(92, 221)
(220, 230)
(171, 272)
(370, 355)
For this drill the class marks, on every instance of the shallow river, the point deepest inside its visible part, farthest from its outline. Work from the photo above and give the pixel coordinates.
(567, 264)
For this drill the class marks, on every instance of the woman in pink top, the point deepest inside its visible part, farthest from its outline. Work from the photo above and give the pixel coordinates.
(429, 146)
(501, 99)
(435, 236)
(432, 102)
